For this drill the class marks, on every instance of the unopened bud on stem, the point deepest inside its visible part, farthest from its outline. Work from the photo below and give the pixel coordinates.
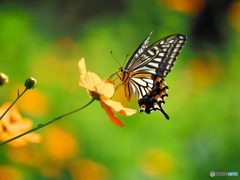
(3, 79)
(30, 82)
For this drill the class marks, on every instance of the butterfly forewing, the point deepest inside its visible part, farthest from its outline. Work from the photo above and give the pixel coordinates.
(159, 58)
(138, 51)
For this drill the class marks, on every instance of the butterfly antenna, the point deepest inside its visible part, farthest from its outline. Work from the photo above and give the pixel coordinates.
(115, 58)
(125, 59)
(116, 78)
(118, 86)
(113, 75)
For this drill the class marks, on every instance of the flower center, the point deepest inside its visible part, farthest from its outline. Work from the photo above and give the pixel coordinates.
(94, 95)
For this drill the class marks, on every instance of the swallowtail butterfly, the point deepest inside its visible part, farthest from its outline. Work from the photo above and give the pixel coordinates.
(146, 69)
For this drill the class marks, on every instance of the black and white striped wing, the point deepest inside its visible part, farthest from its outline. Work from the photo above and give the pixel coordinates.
(159, 58)
(140, 84)
(138, 51)
(154, 99)
(146, 69)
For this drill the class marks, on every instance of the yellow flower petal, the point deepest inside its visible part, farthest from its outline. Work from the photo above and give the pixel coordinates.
(111, 115)
(82, 67)
(127, 112)
(87, 80)
(33, 137)
(93, 80)
(116, 106)
(84, 83)
(13, 124)
(106, 89)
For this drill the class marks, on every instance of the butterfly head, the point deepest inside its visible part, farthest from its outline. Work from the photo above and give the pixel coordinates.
(122, 70)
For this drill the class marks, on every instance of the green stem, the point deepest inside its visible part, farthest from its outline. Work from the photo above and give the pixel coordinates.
(49, 122)
(18, 97)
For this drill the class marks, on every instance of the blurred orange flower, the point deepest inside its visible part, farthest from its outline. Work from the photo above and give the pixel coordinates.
(38, 100)
(55, 143)
(102, 90)
(154, 162)
(10, 173)
(205, 73)
(234, 15)
(184, 6)
(12, 124)
(88, 170)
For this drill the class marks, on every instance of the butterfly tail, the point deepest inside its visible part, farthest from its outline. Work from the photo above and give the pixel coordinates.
(154, 99)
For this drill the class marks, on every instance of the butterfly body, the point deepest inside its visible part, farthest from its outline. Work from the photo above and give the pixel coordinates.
(143, 75)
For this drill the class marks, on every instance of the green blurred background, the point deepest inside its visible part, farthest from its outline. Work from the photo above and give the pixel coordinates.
(46, 39)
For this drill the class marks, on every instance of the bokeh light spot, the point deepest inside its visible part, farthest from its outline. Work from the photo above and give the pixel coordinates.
(59, 143)
(155, 162)
(10, 173)
(234, 15)
(185, 6)
(88, 170)
(34, 102)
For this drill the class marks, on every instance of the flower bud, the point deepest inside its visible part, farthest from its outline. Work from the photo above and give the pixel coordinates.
(3, 79)
(30, 82)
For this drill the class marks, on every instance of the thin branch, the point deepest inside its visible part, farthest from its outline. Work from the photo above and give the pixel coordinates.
(47, 123)
(18, 97)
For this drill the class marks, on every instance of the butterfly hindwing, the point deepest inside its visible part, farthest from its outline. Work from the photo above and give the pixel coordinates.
(154, 99)
(140, 83)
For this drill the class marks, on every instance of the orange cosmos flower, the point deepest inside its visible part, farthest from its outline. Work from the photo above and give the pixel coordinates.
(184, 6)
(12, 124)
(102, 90)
